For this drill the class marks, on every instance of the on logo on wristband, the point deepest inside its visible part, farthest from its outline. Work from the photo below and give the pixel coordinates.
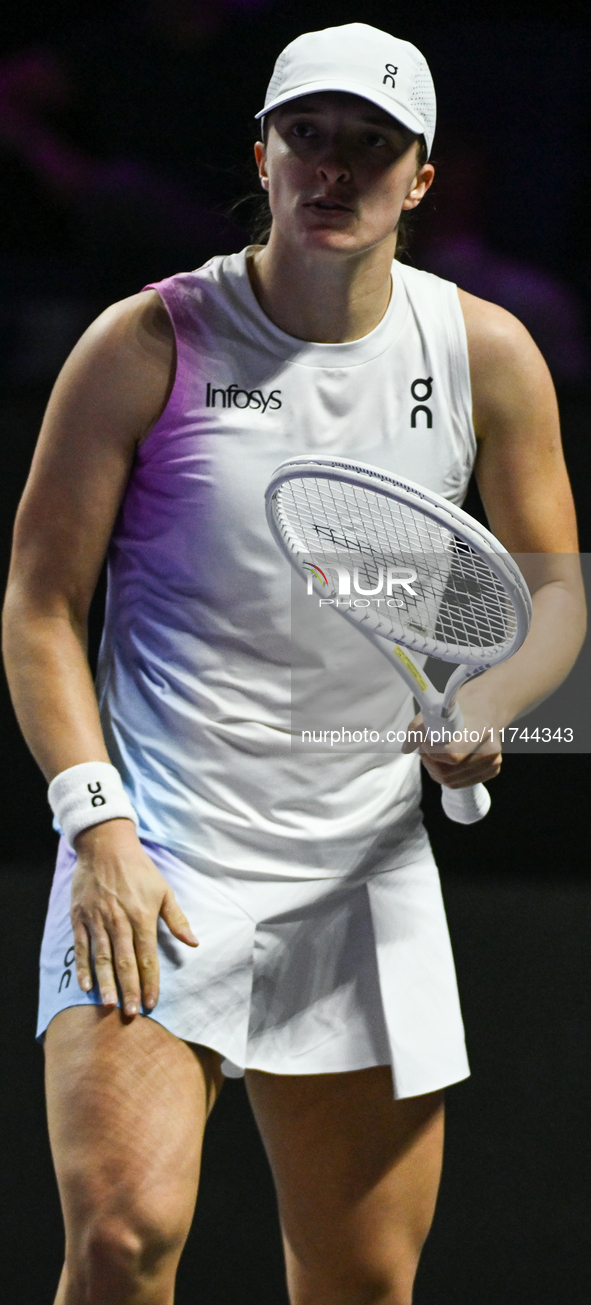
(97, 800)
(88, 794)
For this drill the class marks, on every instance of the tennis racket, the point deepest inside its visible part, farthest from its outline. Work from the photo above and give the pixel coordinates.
(450, 590)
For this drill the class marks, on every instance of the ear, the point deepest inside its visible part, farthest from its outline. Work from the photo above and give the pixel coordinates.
(260, 155)
(419, 186)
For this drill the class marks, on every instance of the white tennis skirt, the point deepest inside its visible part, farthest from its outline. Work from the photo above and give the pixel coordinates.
(295, 976)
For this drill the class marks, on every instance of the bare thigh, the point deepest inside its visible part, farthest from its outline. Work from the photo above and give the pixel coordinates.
(357, 1175)
(127, 1105)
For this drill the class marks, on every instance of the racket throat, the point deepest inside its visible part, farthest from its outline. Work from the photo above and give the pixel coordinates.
(449, 716)
(426, 694)
(460, 676)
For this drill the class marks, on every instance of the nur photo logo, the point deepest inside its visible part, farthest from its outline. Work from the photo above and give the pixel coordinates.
(344, 582)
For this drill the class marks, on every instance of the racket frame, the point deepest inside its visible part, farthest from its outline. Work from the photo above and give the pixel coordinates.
(438, 510)
(436, 707)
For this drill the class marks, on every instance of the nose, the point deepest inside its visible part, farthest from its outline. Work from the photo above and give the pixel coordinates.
(333, 166)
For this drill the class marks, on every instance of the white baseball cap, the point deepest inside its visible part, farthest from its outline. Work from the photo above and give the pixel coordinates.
(363, 61)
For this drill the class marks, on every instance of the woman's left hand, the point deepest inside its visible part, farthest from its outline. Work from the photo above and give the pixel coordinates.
(458, 764)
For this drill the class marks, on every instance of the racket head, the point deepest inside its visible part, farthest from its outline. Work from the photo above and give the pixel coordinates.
(470, 603)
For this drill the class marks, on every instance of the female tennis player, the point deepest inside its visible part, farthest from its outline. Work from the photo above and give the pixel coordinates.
(323, 968)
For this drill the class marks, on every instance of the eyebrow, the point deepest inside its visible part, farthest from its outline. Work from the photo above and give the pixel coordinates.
(385, 122)
(371, 119)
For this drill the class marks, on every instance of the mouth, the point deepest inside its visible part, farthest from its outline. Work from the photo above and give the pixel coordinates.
(321, 205)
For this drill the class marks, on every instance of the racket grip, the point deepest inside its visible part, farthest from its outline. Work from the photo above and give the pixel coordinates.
(465, 805)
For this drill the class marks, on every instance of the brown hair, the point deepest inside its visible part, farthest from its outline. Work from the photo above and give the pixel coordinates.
(405, 220)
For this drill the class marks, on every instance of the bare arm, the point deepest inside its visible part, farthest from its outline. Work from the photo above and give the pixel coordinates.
(524, 486)
(109, 394)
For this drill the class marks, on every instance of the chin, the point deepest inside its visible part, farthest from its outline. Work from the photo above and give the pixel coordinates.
(331, 240)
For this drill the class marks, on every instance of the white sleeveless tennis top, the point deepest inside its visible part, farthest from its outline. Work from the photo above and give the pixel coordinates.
(195, 664)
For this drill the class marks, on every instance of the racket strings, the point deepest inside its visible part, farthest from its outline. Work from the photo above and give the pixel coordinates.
(458, 601)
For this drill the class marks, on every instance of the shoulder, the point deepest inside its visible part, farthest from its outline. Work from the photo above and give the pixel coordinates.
(493, 333)
(520, 466)
(124, 363)
(507, 370)
(139, 325)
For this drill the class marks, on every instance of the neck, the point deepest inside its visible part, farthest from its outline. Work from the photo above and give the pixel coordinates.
(322, 299)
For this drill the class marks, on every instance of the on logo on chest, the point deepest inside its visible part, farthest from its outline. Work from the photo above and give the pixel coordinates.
(421, 390)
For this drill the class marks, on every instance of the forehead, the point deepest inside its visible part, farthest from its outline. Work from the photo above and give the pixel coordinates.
(341, 103)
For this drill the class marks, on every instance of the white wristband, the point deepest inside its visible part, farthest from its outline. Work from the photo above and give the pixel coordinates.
(87, 795)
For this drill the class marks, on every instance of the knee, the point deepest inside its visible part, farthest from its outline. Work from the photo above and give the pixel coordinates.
(354, 1284)
(375, 1288)
(120, 1255)
(130, 1248)
(369, 1291)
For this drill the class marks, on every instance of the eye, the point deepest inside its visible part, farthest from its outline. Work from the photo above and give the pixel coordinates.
(303, 130)
(374, 139)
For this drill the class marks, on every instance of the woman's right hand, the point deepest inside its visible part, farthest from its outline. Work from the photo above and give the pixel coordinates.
(117, 896)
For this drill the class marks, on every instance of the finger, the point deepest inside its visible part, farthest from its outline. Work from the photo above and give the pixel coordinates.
(454, 755)
(465, 761)
(448, 756)
(471, 757)
(479, 777)
(125, 963)
(176, 920)
(82, 954)
(476, 764)
(146, 952)
(415, 736)
(463, 768)
(475, 771)
(103, 966)
(458, 766)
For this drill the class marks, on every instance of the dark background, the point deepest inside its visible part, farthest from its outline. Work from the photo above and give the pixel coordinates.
(125, 135)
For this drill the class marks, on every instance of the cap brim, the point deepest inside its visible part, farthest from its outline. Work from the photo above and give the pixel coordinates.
(386, 102)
